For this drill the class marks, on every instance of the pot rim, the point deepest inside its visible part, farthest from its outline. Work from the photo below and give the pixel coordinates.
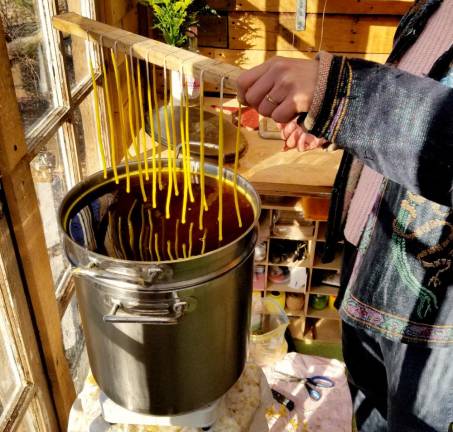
(80, 191)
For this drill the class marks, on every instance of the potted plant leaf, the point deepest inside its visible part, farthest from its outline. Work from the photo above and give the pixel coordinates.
(177, 22)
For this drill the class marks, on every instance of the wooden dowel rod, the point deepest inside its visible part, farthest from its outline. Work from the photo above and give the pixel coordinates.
(148, 49)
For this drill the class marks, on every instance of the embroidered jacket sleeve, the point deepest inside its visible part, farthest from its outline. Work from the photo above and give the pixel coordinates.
(399, 124)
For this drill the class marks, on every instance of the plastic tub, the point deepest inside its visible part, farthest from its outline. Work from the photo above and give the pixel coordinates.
(267, 339)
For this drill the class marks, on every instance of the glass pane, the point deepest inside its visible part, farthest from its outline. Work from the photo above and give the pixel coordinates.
(10, 383)
(74, 344)
(50, 184)
(28, 423)
(29, 59)
(87, 145)
(76, 49)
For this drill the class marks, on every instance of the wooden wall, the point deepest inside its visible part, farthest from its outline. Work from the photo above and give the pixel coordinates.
(251, 31)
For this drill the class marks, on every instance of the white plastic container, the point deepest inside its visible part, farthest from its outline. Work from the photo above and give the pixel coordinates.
(267, 339)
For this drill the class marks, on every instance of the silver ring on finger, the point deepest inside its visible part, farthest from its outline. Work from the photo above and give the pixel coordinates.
(270, 100)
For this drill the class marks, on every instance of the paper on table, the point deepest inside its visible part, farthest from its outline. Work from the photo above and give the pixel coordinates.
(86, 415)
(332, 413)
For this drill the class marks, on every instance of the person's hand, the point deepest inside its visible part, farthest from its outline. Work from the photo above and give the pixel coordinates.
(279, 88)
(297, 137)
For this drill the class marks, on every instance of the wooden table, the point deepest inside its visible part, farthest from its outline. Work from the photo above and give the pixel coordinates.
(291, 173)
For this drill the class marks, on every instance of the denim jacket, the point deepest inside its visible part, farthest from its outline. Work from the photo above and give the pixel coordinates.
(400, 125)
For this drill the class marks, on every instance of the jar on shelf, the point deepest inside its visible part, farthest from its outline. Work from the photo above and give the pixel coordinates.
(294, 302)
(278, 296)
(319, 301)
(259, 278)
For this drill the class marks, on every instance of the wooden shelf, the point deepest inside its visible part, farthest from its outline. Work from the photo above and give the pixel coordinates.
(260, 263)
(296, 232)
(333, 265)
(327, 313)
(294, 314)
(324, 289)
(322, 229)
(304, 263)
(282, 203)
(283, 287)
(292, 237)
(325, 330)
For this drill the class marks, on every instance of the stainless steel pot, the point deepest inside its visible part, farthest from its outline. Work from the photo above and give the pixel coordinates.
(170, 337)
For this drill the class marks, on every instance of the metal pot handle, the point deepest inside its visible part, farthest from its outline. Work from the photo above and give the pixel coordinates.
(169, 315)
(110, 276)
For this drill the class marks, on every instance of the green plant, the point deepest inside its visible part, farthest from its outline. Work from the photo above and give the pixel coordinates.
(176, 18)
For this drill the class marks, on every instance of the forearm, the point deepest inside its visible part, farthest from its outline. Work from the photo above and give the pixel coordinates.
(398, 124)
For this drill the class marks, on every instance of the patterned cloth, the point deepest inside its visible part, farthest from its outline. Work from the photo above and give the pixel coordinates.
(248, 406)
(400, 125)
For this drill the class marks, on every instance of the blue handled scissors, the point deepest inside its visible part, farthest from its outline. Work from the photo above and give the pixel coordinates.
(312, 384)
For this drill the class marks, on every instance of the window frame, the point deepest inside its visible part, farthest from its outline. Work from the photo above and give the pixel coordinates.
(17, 150)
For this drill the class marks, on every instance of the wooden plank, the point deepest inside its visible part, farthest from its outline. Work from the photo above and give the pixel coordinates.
(15, 148)
(27, 225)
(115, 10)
(130, 21)
(213, 31)
(249, 58)
(267, 31)
(369, 7)
(12, 291)
(148, 49)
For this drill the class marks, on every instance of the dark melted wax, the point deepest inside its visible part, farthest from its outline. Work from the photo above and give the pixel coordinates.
(127, 225)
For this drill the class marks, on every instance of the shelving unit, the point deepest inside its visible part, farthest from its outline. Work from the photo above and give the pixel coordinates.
(323, 324)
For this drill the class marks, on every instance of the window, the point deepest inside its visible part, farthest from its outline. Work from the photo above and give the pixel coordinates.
(53, 89)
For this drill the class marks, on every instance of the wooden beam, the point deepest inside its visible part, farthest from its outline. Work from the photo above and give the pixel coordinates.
(270, 31)
(27, 225)
(12, 291)
(143, 48)
(249, 58)
(345, 7)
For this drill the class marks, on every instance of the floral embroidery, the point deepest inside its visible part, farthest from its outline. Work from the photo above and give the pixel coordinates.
(436, 258)
(392, 325)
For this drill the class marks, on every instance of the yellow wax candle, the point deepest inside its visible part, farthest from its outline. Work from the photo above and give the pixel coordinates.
(203, 241)
(142, 232)
(203, 203)
(220, 175)
(187, 142)
(173, 131)
(236, 164)
(184, 252)
(98, 119)
(142, 120)
(150, 240)
(136, 116)
(177, 238)
(156, 246)
(186, 175)
(153, 141)
(110, 121)
(120, 237)
(190, 239)
(169, 151)
(159, 128)
(131, 225)
(132, 131)
(169, 250)
(122, 120)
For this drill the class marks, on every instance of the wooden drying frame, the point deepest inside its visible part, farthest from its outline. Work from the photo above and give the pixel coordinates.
(150, 50)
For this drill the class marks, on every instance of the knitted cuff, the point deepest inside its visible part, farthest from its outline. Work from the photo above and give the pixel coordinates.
(325, 60)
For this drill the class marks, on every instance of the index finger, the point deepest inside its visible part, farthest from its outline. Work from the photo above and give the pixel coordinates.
(247, 79)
